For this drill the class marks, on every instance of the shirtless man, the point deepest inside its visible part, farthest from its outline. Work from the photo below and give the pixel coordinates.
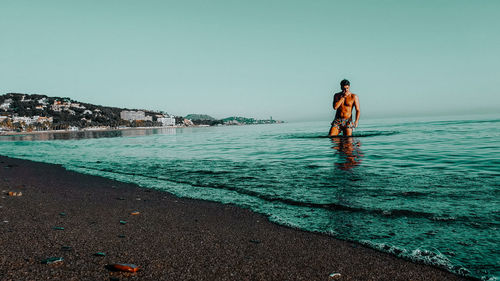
(343, 102)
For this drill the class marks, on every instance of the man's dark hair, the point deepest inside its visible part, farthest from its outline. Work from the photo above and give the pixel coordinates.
(345, 82)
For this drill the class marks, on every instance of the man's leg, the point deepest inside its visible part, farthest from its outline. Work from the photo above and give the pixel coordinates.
(334, 131)
(348, 132)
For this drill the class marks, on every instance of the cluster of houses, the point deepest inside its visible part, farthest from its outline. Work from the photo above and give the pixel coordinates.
(42, 104)
(69, 106)
(27, 120)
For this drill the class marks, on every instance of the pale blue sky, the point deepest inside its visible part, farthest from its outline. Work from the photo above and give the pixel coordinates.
(256, 58)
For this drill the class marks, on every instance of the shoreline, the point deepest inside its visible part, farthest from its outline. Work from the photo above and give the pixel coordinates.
(10, 133)
(170, 239)
(3, 133)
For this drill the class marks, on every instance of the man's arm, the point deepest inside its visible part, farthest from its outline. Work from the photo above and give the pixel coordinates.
(358, 112)
(338, 100)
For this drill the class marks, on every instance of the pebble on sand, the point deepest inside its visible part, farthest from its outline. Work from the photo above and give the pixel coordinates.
(334, 276)
(127, 267)
(53, 260)
(12, 193)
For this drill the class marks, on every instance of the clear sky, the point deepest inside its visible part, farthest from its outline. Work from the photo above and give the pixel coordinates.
(256, 58)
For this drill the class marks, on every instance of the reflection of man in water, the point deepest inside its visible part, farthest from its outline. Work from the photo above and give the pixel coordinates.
(344, 102)
(350, 152)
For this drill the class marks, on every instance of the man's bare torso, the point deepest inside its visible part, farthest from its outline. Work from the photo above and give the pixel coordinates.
(345, 109)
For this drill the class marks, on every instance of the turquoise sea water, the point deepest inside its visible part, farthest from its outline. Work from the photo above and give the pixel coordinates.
(423, 189)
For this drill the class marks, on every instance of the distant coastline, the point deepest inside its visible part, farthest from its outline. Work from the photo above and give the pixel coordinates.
(27, 114)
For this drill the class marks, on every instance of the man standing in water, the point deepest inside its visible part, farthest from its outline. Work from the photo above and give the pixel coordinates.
(344, 102)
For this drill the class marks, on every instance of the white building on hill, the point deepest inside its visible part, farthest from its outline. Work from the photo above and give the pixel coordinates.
(167, 121)
(135, 115)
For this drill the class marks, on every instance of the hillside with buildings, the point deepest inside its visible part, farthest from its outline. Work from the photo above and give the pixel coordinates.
(27, 113)
(22, 112)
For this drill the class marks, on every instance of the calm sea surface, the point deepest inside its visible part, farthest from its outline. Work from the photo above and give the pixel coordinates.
(423, 189)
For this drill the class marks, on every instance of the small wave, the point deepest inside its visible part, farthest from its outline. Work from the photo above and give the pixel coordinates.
(434, 258)
(362, 134)
(209, 172)
(461, 122)
(400, 252)
(443, 218)
(279, 220)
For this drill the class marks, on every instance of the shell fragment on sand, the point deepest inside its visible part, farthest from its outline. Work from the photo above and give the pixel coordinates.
(135, 213)
(53, 260)
(126, 267)
(334, 276)
(14, 194)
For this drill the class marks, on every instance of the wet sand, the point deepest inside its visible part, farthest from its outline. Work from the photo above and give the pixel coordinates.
(170, 239)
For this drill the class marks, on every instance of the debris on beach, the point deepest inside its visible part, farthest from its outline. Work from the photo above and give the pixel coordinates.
(62, 214)
(126, 267)
(100, 254)
(121, 236)
(66, 248)
(255, 241)
(334, 276)
(53, 260)
(135, 213)
(123, 222)
(12, 193)
(58, 228)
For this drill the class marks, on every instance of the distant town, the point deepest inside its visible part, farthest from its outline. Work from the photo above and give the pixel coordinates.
(38, 113)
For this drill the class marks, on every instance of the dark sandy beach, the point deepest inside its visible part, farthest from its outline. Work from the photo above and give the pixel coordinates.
(171, 238)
